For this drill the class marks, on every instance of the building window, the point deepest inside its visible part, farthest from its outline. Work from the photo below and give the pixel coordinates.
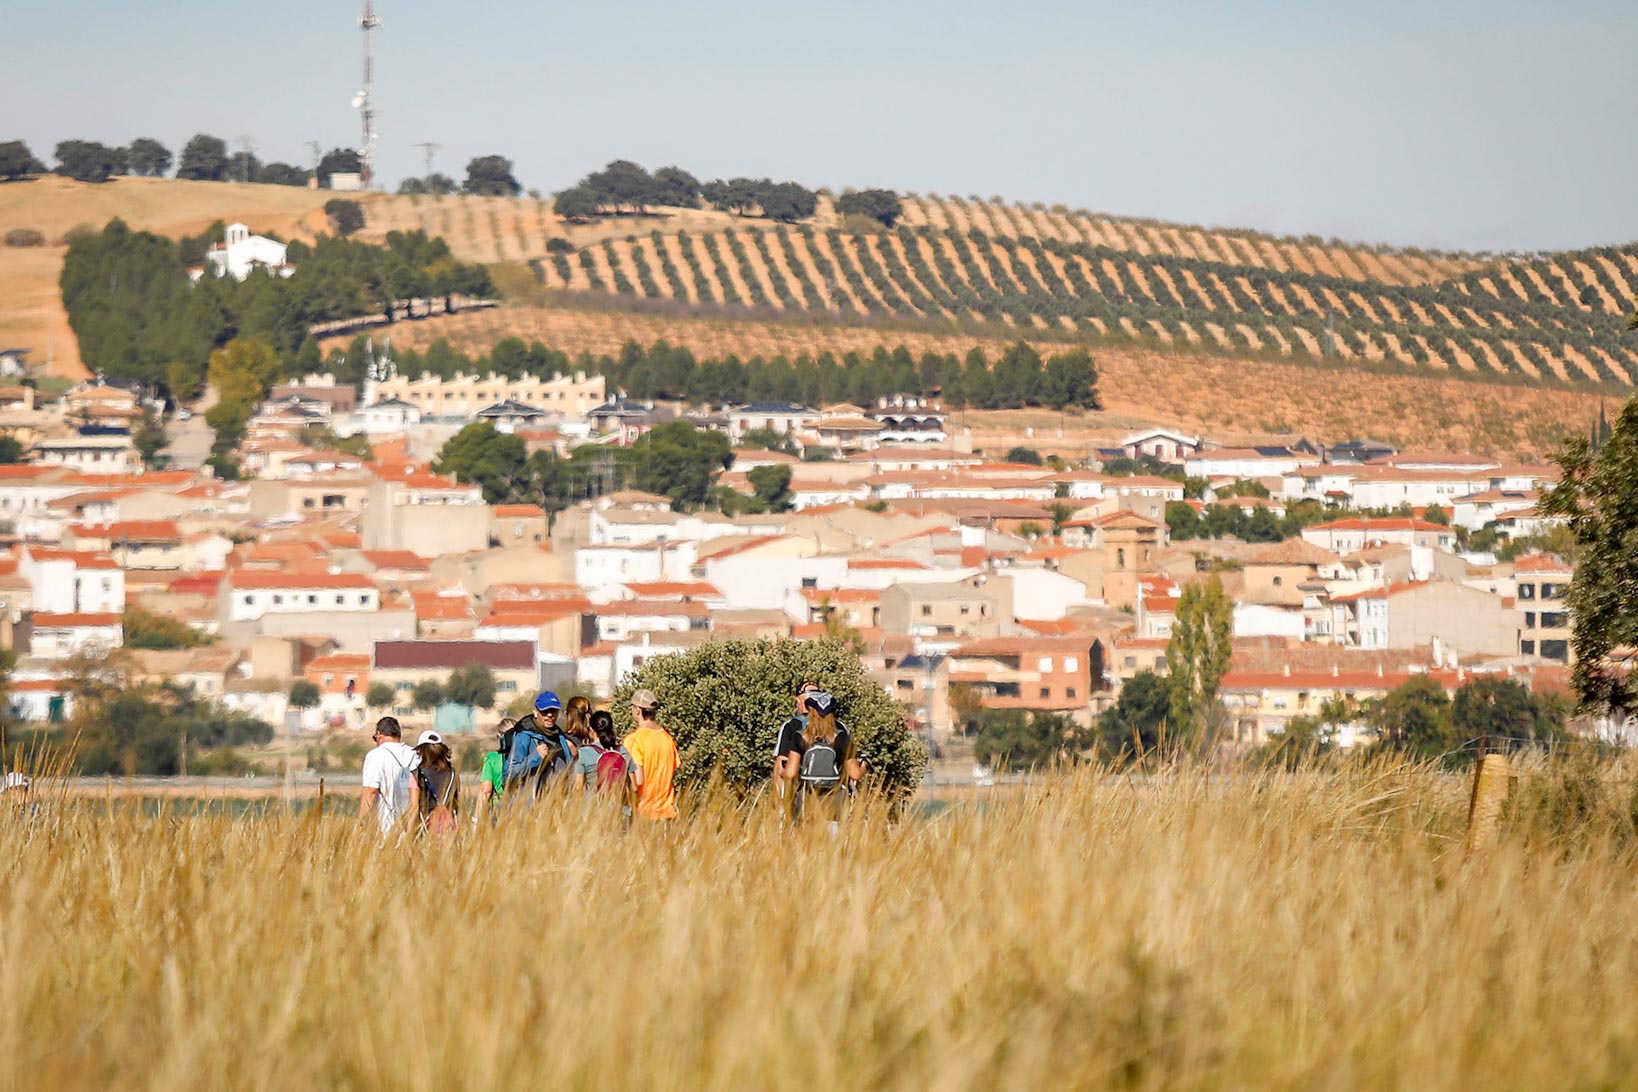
(1528, 648)
(1046, 692)
(250, 600)
(926, 610)
(965, 608)
(312, 600)
(1044, 664)
(338, 599)
(278, 599)
(1555, 650)
(1529, 619)
(1070, 693)
(906, 684)
(328, 679)
(508, 686)
(1131, 661)
(1072, 663)
(1527, 591)
(1554, 620)
(403, 684)
(1552, 591)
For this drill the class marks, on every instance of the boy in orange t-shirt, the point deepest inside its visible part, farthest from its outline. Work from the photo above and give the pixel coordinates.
(654, 760)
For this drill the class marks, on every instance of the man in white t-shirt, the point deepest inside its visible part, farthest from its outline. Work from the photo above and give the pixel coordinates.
(387, 781)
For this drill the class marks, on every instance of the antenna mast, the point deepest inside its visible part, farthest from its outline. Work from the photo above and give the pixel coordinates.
(431, 150)
(365, 102)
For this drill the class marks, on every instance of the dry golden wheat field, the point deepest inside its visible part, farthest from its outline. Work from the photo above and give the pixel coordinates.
(1192, 930)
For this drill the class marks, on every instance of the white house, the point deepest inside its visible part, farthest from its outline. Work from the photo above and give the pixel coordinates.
(240, 252)
(595, 566)
(1245, 462)
(41, 700)
(88, 454)
(250, 595)
(1360, 619)
(1162, 444)
(386, 416)
(66, 582)
(1264, 620)
(1349, 536)
(1041, 594)
(783, 418)
(61, 635)
(1477, 509)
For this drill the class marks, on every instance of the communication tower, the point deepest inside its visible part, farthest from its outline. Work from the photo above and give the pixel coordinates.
(364, 101)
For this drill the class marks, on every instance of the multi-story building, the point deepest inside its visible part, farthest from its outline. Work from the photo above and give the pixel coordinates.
(462, 396)
(1541, 580)
(1040, 674)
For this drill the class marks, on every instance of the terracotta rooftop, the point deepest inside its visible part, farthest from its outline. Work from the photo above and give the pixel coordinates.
(43, 620)
(432, 607)
(396, 559)
(250, 580)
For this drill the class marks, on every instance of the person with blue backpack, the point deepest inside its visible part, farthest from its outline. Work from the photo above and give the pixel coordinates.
(534, 750)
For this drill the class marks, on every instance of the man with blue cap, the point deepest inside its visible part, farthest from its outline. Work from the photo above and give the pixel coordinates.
(535, 748)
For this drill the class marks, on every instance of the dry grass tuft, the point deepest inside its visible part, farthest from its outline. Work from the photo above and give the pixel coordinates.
(1280, 930)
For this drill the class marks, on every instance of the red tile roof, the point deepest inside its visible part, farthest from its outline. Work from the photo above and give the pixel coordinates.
(43, 620)
(431, 607)
(249, 580)
(198, 583)
(396, 559)
(519, 511)
(666, 589)
(81, 560)
(653, 608)
(131, 530)
(531, 616)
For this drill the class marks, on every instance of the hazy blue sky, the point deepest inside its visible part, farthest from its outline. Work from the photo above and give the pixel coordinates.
(1450, 123)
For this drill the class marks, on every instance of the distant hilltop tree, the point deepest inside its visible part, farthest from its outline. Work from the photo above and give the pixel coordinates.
(204, 159)
(148, 158)
(16, 161)
(627, 187)
(883, 206)
(491, 176)
(436, 184)
(89, 161)
(281, 174)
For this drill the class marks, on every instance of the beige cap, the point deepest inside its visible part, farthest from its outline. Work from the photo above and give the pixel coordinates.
(645, 700)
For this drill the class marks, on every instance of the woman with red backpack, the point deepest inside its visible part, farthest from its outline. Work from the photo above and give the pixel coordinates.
(603, 762)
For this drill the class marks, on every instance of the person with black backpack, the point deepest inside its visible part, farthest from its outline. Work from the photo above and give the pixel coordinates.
(534, 750)
(439, 784)
(816, 768)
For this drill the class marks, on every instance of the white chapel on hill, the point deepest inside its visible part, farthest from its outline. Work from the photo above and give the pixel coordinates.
(240, 252)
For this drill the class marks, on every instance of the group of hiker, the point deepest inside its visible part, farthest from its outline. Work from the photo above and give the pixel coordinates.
(815, 767)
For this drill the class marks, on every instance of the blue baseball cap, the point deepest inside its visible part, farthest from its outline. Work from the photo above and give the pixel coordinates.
(547, 700)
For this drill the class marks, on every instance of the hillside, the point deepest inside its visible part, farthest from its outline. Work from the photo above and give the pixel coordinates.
(1268, 321)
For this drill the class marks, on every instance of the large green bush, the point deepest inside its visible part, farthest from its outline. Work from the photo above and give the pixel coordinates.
(725, 701)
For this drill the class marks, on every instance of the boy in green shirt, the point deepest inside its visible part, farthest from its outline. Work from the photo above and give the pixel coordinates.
(492, 780)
